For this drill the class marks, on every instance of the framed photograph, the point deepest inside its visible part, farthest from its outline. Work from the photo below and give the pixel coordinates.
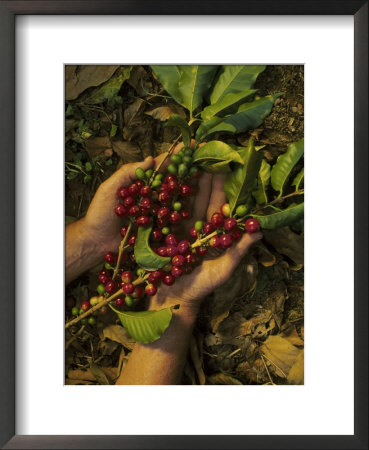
(88, 90)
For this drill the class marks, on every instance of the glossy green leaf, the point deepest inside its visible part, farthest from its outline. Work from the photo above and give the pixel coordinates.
(145, 326)
(215, 152)
(242, 181)
(281, 218)
(260, 194)
(227, 101)
(144, 255)
(169, 77)
(109, 89)
(216, 167)
(175, 120)
(233, 79)
(298, 178)
(249, 116)
(194, 83)
(284, 165)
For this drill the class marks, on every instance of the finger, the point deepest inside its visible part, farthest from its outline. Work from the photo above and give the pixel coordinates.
(202, 199)
(218, 196)
(233, 256)
(158, 160)
(127, 174)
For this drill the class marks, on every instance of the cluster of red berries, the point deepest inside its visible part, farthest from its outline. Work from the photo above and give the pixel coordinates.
(163, 202)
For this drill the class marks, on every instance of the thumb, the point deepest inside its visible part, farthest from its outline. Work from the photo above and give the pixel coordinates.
(127, 173)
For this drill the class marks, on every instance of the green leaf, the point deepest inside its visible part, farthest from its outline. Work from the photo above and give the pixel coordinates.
(298, 178)
(194, 83)
(284, 165)
(249, 116)
(260, 194)
(175, 120)
(215, 152)
(109, 89)
(217, 167)
(144, 255)
(145, 326)
(227, 101)
(88, 166)
(281, 218)
(234, 79)
(169, 77)
(113, 130)
(242, 181)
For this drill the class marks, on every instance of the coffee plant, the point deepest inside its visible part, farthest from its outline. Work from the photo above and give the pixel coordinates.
(220, 100)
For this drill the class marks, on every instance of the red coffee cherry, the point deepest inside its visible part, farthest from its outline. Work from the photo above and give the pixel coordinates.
(185, 215)
(236, 234)
(156, 234)
(177, 271)
(123, 192)
(126, 276)
(164, 197)
(174, 217)
(145, 203)
(139, 183)
(178, 260)
(193, 232)
(85, 305)
(145, 191)
(162, 251)
(214, 242)
(142, 221)
(172, 185)
(123, 231)
(163, 212)
(150, 289)
(104, 278)
(103, 272)
(132, 240)
(134, 211)
(155, 276)
(225, 240)
(119, 302)
(252, 225)
(230, 224)
(128, 288)
(184, 246)
(217, 220)
(190, 258)
(129, 201)
(133, 189)
(110, 257)
(208, 228)
(110, 287)
(172, 250)
(201, 251)
(168, 279)
(161, 223)
(138, 292)
(120, 210)
(186, 190)
(171, 239)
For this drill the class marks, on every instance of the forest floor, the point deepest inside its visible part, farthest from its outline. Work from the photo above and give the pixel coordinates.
(250, 330)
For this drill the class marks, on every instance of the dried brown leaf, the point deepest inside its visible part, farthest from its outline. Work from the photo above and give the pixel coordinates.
(163, 113)
(132, 112)
(140, 80)
(281, 353)
(99, 374)
(80, 78)
(263, 255)
(197, 361)
(118, 334)
(127, 151)
(296, 374)
(287, 243)
(97, 145)
(222, 378)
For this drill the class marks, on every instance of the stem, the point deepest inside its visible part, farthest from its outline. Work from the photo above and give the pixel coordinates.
(280, 199)
(199, 242)
(168, 153)
(121, 249)
(103, 303)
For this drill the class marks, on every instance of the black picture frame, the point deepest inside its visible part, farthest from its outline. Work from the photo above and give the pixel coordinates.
(8, 11)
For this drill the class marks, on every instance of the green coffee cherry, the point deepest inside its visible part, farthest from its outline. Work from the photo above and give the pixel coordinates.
(140, 173)
(165, 230)
(81, 311)
(148, 173)
(128, 299)
(193, 170)
(108, 266)
(198, 225)
(140, 272)
(181, 152)
(75, 311)
(159, 176)
(182, 170)
(177, 207)
(101, 289)
(187, 151)
(241, 210)
(187, 159)
(176, 159)
(91, 320)
(172, 168)
(84, 321)
(156, 183)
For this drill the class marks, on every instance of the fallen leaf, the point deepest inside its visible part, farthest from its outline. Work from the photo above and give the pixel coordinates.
(97, 145)
(132, 111)
(281, 353)
(163, 113)
(118, 334)
(99, 374)
(80, 78)
(293, 337)
(287, 243)
(108, 347)
(127, 151)
(197, 361)
(140, 81)
(222, 378)
(263, 255)
(296, 374)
